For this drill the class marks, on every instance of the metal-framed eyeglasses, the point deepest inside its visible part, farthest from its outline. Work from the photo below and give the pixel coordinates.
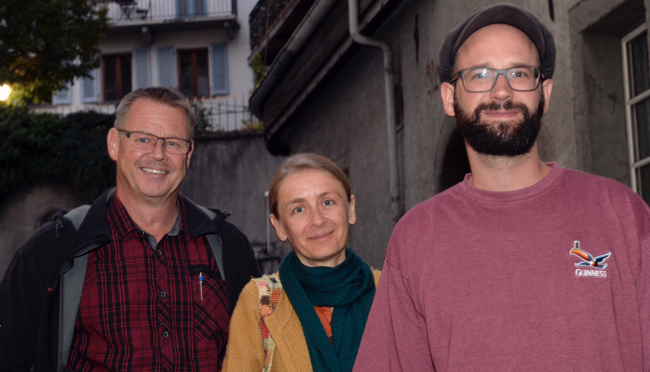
(146, 141)
(483, 79)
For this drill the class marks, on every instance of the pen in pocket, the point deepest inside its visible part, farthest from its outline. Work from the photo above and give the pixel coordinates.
(201, 284)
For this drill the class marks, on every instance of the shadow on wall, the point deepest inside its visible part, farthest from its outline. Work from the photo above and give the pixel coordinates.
(454, 162)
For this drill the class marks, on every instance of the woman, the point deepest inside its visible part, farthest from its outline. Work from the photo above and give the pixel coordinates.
(314, 319)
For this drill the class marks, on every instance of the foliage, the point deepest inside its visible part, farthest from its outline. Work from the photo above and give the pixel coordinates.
(252, 124)
(46, 43)
(259, 69)
(70, 148)
(202, 120)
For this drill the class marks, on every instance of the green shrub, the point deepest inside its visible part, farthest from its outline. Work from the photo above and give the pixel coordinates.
(68, 148)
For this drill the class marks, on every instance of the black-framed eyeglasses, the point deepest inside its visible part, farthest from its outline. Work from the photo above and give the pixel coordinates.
(483, 79)
(146, 141)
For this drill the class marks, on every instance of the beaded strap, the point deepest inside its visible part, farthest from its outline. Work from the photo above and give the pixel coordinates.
(270, 291)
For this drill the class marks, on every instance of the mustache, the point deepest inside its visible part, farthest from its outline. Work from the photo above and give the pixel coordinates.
(495, 106)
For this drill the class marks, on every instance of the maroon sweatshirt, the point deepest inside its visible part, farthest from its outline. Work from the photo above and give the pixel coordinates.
(554, 277)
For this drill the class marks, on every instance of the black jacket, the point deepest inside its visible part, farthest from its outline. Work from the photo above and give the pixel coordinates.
(30, 290)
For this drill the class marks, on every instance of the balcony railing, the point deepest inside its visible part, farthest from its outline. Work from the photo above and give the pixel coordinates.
(120, 11)
(263, 17)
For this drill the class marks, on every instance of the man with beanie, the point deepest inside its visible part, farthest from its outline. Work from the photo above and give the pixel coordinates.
(524, 265)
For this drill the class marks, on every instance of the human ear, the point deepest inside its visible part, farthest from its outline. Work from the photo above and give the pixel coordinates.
(352, 215)
(447, 95)
(279, 230)
(113, 143)
(189, 154)
(547, 87)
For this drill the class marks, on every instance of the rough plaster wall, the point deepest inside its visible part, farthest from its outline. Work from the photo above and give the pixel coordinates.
(23, 210)
(559, 136)
(232, 173)
(605, 109)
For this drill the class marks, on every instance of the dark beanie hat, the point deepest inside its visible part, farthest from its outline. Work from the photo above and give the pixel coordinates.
(499, 13)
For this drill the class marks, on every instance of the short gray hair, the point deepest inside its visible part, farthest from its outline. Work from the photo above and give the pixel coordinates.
(166, 96)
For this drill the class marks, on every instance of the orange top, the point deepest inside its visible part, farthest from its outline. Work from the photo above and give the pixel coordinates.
(325, 316)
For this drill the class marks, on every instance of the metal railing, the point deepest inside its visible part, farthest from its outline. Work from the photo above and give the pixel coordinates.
(120, 11)
(224, 114)
(214, 114)
(263, 17)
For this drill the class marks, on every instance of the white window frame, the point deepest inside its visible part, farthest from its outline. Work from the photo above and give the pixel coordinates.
(630, 102)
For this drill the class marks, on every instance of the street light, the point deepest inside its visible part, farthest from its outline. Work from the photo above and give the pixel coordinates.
(5, 91)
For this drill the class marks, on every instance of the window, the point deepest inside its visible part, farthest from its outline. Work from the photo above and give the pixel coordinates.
(193, 73)
(117, 76)
(637, 106)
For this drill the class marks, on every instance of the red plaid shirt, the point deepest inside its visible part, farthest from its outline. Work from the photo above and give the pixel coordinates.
(141, 308)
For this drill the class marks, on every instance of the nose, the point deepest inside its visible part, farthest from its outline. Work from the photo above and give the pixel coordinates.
(158, 150)
(318, 218)
(501, 90)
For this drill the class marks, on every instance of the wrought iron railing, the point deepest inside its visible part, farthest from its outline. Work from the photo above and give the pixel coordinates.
(224, 114)
(214, 114)
(263, 17)
(137, 10)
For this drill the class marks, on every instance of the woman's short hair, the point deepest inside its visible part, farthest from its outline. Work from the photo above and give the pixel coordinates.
(301, 162)
(166, 96)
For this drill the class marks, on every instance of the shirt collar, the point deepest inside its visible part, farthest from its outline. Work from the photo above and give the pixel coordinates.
(122, 224)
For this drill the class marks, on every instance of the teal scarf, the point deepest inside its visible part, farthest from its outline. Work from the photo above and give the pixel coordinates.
(349, 288)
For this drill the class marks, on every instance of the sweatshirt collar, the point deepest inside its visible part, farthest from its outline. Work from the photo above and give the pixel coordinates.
(496, 197)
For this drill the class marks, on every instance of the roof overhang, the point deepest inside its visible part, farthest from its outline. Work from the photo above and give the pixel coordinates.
(318, 49)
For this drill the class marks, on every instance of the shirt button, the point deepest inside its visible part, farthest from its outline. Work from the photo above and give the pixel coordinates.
(159, 252)
(165, 334)
(163, 294)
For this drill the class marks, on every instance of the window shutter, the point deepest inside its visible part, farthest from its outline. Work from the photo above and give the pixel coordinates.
(63, 96)
(142, 78)
(89, 88)
(191, 8)
(182, 8)
(166, 70)
(219, 69)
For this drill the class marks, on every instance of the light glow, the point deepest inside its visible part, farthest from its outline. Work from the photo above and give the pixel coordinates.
(5, 91)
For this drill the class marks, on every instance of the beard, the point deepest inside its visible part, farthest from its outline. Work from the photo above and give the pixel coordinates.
(501, 138)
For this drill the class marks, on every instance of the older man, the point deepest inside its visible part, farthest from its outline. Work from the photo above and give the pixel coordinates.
(142, 280)
(524, 265)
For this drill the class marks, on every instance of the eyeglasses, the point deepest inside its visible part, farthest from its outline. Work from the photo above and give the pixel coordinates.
(146, 141)
(483, 79)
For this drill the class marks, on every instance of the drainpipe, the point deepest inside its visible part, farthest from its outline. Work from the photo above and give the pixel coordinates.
(353, 6)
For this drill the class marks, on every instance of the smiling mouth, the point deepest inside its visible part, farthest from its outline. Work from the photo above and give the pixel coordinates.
(154, 171)
(321, 236)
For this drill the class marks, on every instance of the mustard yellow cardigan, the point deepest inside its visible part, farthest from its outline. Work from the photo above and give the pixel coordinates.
(245, 352)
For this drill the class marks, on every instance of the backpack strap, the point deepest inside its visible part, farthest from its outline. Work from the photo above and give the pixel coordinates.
(270, 291)
(72, 283)
(216, 244)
